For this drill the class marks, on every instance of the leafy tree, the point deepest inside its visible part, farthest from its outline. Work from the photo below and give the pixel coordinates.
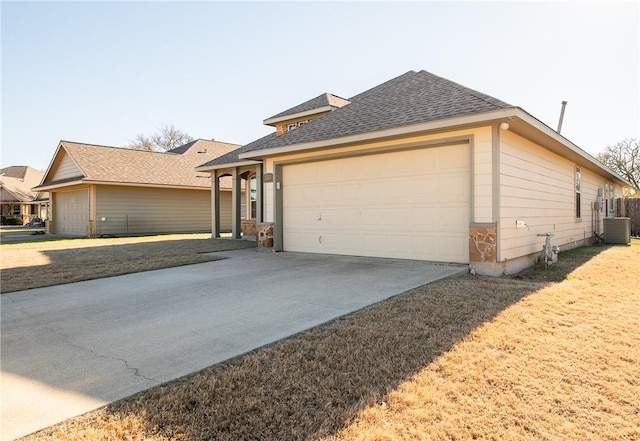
(165, 139)
(624, 159)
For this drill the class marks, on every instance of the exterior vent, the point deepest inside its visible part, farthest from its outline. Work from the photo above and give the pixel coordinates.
(617, 230)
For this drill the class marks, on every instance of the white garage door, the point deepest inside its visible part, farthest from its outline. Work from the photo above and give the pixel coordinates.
(72, 212)
(410, 204)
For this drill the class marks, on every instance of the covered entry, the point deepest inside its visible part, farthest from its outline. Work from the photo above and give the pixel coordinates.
(411, 204)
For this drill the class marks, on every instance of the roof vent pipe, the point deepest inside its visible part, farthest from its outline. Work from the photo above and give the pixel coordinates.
(564, 104)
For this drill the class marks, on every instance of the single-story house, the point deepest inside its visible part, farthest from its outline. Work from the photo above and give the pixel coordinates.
(100, 190)
(17, 200)
(418, 167)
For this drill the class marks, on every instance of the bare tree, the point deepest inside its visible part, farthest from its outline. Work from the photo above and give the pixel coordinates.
(165, 139)
(142, 143)
(624, 159)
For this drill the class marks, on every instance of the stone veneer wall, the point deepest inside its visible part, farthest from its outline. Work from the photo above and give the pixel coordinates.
(483, 242)
(264, 235)
(248, 227)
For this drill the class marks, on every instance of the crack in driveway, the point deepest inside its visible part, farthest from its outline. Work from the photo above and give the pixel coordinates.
(66, 339)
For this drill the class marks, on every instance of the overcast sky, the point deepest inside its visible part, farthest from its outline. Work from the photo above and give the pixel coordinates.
(103, 72)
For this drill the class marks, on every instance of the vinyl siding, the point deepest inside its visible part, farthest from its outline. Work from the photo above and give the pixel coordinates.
(143, 210)
(66, 169)
(482, 175)
(538, 187)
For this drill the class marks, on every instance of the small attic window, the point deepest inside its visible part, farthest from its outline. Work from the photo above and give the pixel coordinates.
(301, 123)
(291, 127)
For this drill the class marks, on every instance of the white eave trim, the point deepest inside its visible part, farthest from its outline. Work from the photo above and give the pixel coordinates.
(447, 123)
(123, 184)
(278, 119)
(210, 168)
(590, 160)
(393, 132)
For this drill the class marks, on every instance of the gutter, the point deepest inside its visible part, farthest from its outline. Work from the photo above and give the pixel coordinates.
(511, 115)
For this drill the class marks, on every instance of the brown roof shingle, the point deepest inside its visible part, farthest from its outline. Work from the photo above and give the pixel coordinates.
(122, 165)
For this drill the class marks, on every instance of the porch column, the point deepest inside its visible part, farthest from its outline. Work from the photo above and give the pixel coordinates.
(259, 217)
(236, 196)
(215, 204)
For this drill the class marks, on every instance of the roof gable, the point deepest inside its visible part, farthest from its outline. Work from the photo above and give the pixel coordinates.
(321, 103)
(18, 181)
(103, 164)
(411, 98)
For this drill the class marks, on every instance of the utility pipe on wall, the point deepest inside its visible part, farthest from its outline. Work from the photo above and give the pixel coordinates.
(564, 104)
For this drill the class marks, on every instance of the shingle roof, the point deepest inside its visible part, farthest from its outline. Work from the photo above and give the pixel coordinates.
(19, 179)
(122, 165)
(326, 99)
(411, 98)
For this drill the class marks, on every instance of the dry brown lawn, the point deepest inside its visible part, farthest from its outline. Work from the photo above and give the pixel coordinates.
(45, 263)
(545, 355)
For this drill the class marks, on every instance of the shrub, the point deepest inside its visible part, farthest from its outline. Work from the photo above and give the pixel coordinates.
(12, 221)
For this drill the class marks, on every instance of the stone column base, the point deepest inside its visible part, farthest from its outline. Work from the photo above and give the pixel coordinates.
(264, 235)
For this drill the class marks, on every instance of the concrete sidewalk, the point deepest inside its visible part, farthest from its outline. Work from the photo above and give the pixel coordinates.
(72, 348)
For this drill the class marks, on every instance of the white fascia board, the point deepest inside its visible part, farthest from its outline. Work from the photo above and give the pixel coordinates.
(393, 132)
(540, 126)
(121, 184)
(271, 121)
(54, 186)
(211, 168)
(447, 123)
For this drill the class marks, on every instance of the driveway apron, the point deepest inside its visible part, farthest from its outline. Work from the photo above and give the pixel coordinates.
(73, 348)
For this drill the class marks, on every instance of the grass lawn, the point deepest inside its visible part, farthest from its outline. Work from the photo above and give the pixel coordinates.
(50, 260)
(544, 355)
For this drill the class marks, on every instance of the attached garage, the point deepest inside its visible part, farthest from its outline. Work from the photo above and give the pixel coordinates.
(71, 210)
(407, 204)
(419, 167)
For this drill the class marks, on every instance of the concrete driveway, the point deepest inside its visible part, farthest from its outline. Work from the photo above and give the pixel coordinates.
(73, 348)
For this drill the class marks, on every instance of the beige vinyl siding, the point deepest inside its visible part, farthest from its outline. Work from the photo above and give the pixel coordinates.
(538, 187)
(225, 212)
(143, 210)
(66, 169)
(482, 175)
(6, 196)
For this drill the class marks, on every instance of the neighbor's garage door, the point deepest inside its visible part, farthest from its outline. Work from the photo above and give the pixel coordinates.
(410, 204)
(72, 212)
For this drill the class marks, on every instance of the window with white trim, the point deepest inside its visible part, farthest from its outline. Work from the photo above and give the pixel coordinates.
(578, 202)
(253, 197)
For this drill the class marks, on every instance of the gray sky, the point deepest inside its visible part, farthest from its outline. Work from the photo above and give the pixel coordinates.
(103, 72)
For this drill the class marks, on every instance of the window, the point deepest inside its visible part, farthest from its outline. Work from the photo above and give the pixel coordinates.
(253, 197)
(609, 200)
(578, 179)
(291, 127)
(16, 210)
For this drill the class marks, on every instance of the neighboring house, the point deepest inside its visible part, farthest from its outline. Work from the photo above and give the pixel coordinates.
(99, 190)
(419, 167)
(18, 201)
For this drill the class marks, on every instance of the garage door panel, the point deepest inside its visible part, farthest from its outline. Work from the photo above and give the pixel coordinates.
(410, 204)
(72, 212)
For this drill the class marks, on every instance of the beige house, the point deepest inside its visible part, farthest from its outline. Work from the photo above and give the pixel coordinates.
(17, 200)
(99, 190)
(419, 167)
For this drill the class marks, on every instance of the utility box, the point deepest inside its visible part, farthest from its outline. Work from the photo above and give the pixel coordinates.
(617, 230)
